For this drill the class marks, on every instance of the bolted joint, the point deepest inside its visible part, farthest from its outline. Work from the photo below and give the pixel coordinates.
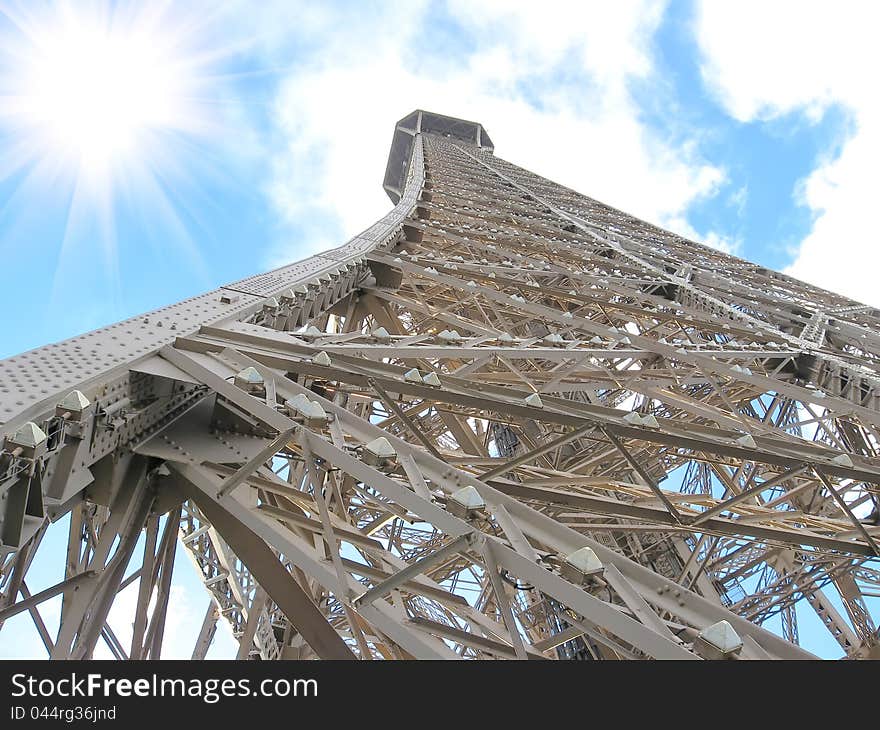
(582, 566)
(310, 412)
(29, 441)
(294, 405)
(413, 375)
(448, 336)
(314, 415)
(250, 381)
(718, 641)
(311, 332)
(271, 305)
(74, 407)
(466, 503)
(380, 453)
(432, 379)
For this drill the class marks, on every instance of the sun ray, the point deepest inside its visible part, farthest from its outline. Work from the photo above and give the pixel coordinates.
(106, 110)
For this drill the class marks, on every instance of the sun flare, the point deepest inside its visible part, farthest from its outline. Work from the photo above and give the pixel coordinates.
(94, 95)
(99, 87)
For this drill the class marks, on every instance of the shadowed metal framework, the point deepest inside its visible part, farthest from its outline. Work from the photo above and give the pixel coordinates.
(504, 422)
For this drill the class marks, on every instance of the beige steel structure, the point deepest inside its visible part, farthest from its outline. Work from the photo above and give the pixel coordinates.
(506, 421)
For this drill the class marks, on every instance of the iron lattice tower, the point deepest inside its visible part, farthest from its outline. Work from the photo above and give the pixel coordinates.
(505, 421)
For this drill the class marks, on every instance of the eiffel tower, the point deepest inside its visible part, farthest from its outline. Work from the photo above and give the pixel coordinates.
(506, 421)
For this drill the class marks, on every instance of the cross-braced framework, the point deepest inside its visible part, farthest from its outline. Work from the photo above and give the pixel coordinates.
(506, 421)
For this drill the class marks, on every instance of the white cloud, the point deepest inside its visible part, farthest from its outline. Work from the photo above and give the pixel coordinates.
(765, 60)
(20, 639)
(549, 82)
(739, 198)
(187, 604)
(714, 239)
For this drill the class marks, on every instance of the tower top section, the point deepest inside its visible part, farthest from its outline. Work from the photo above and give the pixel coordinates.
(422, 122)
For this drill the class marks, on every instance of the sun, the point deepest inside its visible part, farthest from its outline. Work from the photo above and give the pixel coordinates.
(98, 87)
(116, 116)
(95, 94)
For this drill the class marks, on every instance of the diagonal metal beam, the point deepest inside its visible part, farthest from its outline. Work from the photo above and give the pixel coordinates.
(276, 581)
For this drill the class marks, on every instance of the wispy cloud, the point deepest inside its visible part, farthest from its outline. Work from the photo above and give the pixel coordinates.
(807, 57)
(551, 83)
(187, 604)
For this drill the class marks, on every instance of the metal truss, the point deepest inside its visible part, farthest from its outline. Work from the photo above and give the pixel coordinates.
(505, 422)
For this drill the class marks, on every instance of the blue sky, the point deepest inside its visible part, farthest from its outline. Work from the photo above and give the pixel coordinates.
(280, 144)
(151, 151)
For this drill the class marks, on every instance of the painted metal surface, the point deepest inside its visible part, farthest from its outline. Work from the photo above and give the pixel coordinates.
(705, 430)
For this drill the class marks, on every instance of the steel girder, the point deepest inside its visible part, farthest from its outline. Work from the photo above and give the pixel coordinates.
(398, 448)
